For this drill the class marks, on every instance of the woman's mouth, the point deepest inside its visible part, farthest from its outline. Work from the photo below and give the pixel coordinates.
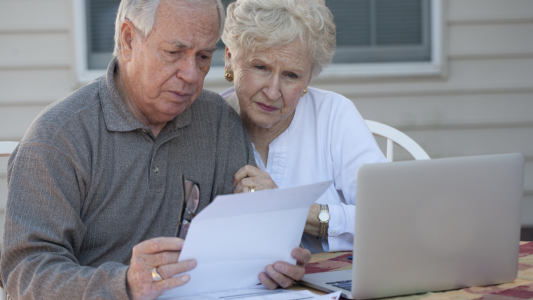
(266, 107)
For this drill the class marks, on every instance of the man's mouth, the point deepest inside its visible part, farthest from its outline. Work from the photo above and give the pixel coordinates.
(180, 96)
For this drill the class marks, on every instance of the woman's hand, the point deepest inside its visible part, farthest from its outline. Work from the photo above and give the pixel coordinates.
(312, 225)
(251, 177)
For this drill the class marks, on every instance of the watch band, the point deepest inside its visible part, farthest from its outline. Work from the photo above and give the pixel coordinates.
(323, 224)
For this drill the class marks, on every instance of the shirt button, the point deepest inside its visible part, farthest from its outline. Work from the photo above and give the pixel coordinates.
(156, 169)
(144, 130)
(332, 232)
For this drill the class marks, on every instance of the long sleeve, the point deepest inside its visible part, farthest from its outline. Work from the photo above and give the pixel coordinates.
(43, 231)
(351, 145)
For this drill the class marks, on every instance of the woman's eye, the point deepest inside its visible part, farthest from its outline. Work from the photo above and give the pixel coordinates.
(292, 75)
(260, 67)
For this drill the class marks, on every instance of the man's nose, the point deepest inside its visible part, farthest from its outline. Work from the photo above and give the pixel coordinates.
(272, 88)
(188, 69)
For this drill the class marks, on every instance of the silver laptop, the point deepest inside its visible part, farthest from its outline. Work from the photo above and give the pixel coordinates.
(432, 225)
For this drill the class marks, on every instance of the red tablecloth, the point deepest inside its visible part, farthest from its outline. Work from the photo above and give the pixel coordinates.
(521, 288)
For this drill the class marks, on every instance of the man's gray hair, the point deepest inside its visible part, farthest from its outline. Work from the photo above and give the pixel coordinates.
(142, 14)
(256, 25)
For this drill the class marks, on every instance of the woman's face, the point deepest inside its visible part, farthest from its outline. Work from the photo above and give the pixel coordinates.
(269, 83)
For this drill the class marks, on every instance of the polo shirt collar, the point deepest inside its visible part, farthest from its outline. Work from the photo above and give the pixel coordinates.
(117, 116)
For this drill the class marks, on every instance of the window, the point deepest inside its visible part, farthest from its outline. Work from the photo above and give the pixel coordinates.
(101, 16)
(370, 31)
(374, 37)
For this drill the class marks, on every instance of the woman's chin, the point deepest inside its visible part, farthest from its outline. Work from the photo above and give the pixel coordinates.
(263, 124)
(259, 120)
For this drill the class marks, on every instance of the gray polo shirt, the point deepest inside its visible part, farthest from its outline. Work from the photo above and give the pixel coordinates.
(88, 182)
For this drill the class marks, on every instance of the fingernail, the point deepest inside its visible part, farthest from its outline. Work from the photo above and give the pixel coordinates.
(185, 278)
(279, 267)
(270, 270)
(192, 264)
(297, 254)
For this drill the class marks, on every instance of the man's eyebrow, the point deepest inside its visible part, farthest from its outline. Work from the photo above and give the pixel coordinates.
(184, 46)
(211, 49)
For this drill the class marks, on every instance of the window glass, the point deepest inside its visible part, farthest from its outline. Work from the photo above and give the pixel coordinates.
(368, 31)
(101, 16)
(381, 30)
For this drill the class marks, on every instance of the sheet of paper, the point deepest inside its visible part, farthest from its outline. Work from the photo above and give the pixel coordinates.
(235, 237)
(261, 294)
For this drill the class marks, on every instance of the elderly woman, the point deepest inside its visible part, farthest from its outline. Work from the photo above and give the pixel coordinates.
(301, 135)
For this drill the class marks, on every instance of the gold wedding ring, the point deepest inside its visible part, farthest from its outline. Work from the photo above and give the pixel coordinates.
(155, 275)
(252, 189)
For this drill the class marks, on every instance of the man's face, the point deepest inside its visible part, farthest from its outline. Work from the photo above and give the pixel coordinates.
(166, 70)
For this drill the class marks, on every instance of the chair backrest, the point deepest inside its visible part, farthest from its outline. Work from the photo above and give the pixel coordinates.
(6, 148)
(395, 136)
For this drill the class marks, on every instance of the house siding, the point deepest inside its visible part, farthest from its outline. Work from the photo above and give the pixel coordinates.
(36, 66)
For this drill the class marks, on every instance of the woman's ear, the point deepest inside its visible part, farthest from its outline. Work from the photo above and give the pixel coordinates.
(227, 58)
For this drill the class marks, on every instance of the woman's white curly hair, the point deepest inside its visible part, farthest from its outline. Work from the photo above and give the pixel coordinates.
(256, 25)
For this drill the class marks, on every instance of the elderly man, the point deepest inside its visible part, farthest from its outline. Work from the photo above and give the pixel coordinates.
(95, 187)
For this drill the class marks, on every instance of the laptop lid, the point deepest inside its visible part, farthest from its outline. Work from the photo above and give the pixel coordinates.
(437, 224)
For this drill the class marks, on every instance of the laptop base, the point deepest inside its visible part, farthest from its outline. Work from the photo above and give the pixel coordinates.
(319, 281)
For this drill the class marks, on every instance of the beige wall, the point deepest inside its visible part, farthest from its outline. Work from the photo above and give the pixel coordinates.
(483, 104)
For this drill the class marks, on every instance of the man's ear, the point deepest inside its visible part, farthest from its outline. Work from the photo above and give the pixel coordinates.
(127, 36)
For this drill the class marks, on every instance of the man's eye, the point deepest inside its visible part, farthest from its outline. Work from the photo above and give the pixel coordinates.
(172, 52)
(260, 67)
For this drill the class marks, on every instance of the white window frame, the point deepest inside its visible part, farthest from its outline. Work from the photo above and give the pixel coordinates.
(435, 67)
(84, 75)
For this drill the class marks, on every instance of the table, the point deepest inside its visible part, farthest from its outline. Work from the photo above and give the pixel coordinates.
(521, 288)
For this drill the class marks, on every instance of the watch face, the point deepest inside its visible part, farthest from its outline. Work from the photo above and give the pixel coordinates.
(323, 216)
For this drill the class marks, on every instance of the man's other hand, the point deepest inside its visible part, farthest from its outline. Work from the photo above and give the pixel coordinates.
(283, 274)
(161, 253)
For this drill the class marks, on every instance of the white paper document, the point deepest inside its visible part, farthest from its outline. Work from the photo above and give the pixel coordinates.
(261, 294)
(235, 237)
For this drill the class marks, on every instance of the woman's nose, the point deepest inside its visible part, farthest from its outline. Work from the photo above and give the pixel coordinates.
(273, 88)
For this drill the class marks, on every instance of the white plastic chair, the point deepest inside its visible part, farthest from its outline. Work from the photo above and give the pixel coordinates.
(395, 136)
(6, 148)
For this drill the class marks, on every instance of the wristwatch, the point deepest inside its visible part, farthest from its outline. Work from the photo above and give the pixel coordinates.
(323, 217)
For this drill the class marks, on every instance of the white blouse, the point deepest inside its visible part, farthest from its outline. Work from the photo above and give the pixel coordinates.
(326, 140)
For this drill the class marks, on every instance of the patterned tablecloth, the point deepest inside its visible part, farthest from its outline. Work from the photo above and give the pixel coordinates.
(521, 288)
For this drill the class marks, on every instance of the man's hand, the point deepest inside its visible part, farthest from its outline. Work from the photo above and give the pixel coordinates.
(251, 177)
(283, 274)
(161, 253)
